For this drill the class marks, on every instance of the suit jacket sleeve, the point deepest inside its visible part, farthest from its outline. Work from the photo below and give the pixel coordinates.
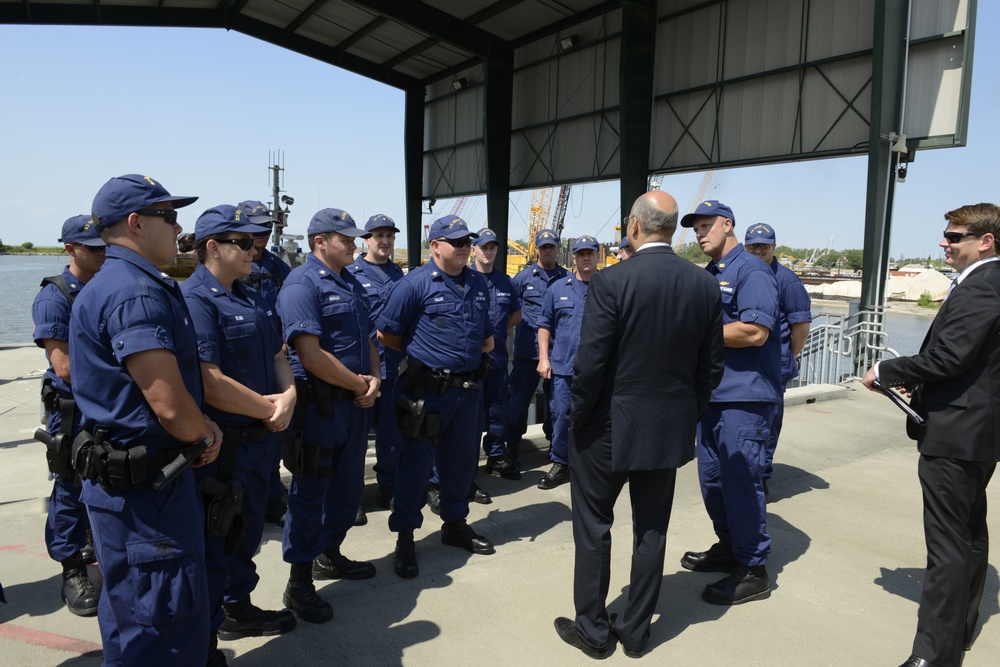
(970, 321)
(598, 337)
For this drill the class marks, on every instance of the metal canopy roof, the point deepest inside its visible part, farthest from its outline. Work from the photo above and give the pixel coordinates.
(727, 82)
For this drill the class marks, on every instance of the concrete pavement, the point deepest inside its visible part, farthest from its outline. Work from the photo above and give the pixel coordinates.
(846, 565)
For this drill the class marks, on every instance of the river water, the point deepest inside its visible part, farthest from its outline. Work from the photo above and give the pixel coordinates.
(21, 275)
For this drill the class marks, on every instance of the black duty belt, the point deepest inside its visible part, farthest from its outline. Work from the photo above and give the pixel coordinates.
(308, 393)
(238, 435)
(117, 469)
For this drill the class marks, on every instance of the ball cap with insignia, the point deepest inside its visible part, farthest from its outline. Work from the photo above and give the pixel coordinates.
(546, 237)
(709, 207)
(223, 220)
(82, 230)
(380, 221)
(335, 220)
(584, 243)
(760, 233)
(624, 243)
(256, 212)
(486, 235)
(130, 194)
(450, 227)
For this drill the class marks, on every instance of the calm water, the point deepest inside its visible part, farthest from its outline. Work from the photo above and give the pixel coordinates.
(22, 274)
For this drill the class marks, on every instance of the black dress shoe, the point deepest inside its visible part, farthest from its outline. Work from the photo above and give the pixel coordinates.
(434, 498)
(746, 584)
(630, 652)
(914, 661)
(566, 629)
(301, 597)
(557, 475)
(718, 558)
(405, 561)
(78, 592)
(361, 518)
(513, 455)
(384, 498)
(332, 565)
(498, 466)
(244, 619)
(477, 495)
(87, 552)
(460, 534)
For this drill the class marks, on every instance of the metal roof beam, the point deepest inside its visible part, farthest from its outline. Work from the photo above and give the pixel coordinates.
(442, 26)
(363, 31)
(304, 16)
(121, 15)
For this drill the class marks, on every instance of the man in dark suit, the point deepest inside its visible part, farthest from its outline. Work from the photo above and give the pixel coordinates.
(651, 352)
(955, 382)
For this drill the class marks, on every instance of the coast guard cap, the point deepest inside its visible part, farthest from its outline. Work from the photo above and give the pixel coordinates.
(335, 220)
(256, 212)
(130, 194)
(450, 227)
(380, 221)
(585, 243)
(80, 229)
(486, 235)
(624, 243)
(708, 207)
(546, 237)
(223, 220)
(760, 233)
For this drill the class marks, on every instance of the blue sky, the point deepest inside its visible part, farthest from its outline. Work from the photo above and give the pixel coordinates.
(200, 109)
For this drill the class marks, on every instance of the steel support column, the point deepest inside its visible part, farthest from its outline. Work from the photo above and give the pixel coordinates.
(413, 168)
(497, 118)
(888, 86)
(638, 48)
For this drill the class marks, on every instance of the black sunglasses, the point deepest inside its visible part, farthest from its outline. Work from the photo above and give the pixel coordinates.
(169, 215)
(955, 237)
(91, 248)
(458, 243)
(242, 244)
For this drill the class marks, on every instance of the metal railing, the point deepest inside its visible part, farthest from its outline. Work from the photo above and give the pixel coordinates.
(842, 347)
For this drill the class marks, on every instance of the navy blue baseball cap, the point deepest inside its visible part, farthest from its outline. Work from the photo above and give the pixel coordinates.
(708, 207)
(82, 230)
(585, 243)
(450, 227)
(380, 221)
(486, 235)
(546, 237)
(131, 193)
(335, 220)
(624, 243)
(256, 212)
(223, 220)
(760, 233)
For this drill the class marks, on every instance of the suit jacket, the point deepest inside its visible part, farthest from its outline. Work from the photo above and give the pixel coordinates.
(651, 352)
(955, 378)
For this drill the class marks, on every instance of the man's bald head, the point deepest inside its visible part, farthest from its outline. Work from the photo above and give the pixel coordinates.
(656, 214)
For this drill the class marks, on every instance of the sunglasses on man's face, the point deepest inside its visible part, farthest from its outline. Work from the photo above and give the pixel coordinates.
(91, 248)
(242, 244)
(169, 215)
(458, 243)
(955, 237)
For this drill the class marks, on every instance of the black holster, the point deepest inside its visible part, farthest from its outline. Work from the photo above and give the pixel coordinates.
(224, 516)
(58, 447)
(414, 421)
(300, 458)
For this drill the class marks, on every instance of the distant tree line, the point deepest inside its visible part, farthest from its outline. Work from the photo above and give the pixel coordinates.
(845, 260)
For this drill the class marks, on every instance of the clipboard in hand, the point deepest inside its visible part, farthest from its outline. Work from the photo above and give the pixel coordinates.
(900, 403)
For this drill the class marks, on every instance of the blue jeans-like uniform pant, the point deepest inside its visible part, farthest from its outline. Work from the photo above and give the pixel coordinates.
(66, 524)
(456, 454)
(322, 509)
(493, 416)
(523, 383)
(232, 577)
(561, 386)
(772, 443)
(388, 439)
(154, 607)
(732, 454)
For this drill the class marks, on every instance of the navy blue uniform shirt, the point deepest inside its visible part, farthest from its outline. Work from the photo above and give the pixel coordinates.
(315, 300)
(795, 306)
(237, 331)
(562, 315)
(50, 314)
(503, 304)
(530, 285)
(267, 276)
(377, 281)
(443, 324)
(130, 306)
(749, 294)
